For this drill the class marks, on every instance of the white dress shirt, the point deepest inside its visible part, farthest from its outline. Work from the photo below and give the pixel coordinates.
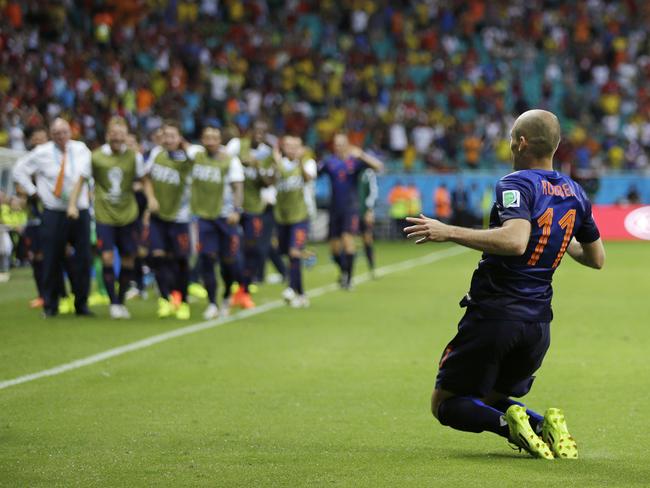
(44, 162)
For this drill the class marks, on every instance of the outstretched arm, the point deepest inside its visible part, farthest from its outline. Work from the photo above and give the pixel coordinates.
(509, 240)
(591, 254)
(370, 160)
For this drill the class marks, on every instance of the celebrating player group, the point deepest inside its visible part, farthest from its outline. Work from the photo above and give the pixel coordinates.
(222, 203)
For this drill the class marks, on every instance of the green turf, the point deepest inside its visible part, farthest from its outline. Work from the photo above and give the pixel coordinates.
(336, 395)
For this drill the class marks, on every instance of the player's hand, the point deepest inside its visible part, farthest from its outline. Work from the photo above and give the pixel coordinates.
(426, 229)
(233, 218)
(355, 151)
(153, 206)
(73, 212)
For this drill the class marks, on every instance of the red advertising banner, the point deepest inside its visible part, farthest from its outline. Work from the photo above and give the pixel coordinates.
(623, 222)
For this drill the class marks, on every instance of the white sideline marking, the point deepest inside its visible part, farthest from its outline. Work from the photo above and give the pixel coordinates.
(210, 324)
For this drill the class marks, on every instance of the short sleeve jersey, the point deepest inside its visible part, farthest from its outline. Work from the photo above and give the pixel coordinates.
(519, 287)
(344, 178)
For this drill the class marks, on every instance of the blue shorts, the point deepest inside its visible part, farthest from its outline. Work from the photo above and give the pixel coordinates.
(32, 240)
(292, 236)
(493, 355)
(253, 227)
(218, 237)
(343, 222)
(142, 233)
(171, 237)
(125, 237)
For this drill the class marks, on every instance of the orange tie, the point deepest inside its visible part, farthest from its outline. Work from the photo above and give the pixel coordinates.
(58, 186)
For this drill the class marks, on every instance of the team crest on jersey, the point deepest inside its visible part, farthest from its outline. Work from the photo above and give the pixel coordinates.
(511, 198)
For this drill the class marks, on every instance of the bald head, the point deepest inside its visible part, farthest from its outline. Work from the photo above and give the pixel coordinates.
(60, 132)
(535, 135)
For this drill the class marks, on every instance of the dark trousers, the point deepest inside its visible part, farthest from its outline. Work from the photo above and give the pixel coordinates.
(56, 232)
(266, 248)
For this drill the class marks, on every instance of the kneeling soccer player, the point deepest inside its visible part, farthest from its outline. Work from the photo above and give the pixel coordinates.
(503, 337)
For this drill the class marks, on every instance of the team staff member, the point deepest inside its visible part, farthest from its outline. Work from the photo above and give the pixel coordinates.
(170, 168)
(255, 155)
(217, 194)
(61, 168)
(31, 235)
(292, 172)
(114, 168)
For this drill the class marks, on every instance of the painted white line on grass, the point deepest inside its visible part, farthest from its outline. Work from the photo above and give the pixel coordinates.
(210, 324)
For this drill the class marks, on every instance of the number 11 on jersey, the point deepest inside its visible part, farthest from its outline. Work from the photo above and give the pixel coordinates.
(545, 222)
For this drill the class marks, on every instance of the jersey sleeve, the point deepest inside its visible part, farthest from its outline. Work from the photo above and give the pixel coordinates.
(311, 168)
(193, 150)
(233, 148)
(514, 198)
(152, 157)
(236, 171)
(588, 231)
(140, 167)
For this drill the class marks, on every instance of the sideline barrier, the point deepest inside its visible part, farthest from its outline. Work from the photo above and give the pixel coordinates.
(623, 222)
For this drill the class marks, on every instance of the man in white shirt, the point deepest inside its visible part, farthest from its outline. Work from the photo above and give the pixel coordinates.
(60, 168)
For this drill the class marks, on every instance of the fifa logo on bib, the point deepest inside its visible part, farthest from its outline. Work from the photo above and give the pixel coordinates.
(115, 176)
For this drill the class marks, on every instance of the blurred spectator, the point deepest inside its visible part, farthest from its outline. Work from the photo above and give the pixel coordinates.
(431, 82)
(460, 205)
(442, 203)
(398, 199)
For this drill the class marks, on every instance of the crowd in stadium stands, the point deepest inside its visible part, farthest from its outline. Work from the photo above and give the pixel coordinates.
(433, 84)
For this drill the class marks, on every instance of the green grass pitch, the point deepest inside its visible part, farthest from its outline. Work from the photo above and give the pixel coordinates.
(336, 395)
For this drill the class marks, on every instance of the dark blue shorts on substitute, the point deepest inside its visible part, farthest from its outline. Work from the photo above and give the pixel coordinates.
(171, 237)
(292, 236)
(493, 355)
(219, 238)
(343, 222)
(253, 228)
(124, 237)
